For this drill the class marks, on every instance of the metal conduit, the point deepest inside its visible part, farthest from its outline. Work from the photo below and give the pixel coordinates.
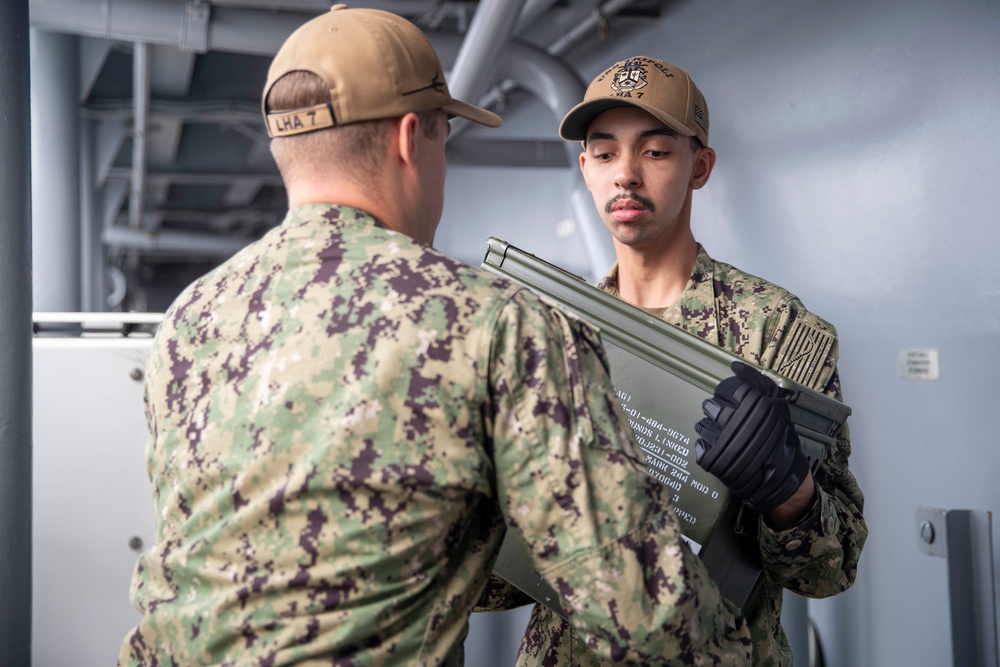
(140, 100)
(92, 262)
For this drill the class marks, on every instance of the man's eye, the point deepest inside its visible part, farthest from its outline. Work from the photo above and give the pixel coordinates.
(657, 153)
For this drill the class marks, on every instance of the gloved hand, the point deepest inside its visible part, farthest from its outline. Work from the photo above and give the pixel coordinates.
(748, 441)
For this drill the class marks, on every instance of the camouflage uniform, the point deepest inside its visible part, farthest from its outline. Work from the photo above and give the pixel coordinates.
(342, 423)
(770, 327)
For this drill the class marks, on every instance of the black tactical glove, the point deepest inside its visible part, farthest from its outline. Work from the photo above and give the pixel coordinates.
(748, 440)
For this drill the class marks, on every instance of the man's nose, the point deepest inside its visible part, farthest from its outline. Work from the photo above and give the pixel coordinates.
(627, 175)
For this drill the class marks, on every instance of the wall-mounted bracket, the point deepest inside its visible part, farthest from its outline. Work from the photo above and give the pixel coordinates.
(194, 30)
(965, 539)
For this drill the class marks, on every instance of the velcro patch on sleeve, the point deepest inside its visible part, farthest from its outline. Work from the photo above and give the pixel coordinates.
(802, 353)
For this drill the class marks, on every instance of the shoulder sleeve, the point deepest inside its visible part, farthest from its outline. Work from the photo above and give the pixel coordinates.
(800, 346)
(572, 484)
(819, 557)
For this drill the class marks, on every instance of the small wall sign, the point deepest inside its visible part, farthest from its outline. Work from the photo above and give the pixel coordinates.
(920, 365)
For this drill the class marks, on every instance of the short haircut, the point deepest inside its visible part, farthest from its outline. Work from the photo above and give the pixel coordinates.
(355, 149)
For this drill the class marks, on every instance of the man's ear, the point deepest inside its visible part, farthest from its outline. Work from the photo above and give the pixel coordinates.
(405, 138)
(583, 161)
(704, 162)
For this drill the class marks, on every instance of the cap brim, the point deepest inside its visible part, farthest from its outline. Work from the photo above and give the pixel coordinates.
(473, 113)
(574, 124)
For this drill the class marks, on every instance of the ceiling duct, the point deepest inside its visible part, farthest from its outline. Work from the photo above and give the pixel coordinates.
(189, 26)
(193, 25)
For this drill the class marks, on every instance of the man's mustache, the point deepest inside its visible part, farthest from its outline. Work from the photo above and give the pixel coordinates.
(633, 196)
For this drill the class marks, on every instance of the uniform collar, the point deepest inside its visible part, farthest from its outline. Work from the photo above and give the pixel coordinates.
(694, 311)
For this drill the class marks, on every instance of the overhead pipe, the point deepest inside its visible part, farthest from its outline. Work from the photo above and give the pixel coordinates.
(559, 87)
(608, 10)
(192, 244)
(252, 31)
(488, 34)
(118, 288)
(546, 77)
(221, 27)
(401, 7)
(140, 130)
(533, 10)
(243, 117)
(183, 25)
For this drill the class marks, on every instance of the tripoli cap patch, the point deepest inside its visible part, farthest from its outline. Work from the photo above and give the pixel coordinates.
(657, 87)
(377, 65)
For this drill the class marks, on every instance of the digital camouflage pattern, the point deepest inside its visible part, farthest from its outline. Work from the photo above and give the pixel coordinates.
(342, 423)
(766, 325)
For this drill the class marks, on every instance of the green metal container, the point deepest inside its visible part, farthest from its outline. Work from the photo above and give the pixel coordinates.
(661, 375)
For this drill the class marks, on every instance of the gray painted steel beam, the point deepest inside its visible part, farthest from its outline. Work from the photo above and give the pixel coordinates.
(201, 177)
(259, 160)
(55, 186)
(401, 7)
(109, 137)
(15, 337)
(171, 71)
(93, 53)
(508, 153)
(112, 197)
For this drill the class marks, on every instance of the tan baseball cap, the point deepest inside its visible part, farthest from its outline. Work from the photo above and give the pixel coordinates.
(377, 64)
(657, 87)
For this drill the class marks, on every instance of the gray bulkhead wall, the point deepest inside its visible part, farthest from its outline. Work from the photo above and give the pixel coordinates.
(857, 166)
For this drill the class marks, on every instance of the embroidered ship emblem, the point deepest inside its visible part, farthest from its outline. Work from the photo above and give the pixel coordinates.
(631, 76)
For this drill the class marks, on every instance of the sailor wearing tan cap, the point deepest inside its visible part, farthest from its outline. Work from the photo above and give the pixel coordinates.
(344, 422)
(643, 126)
